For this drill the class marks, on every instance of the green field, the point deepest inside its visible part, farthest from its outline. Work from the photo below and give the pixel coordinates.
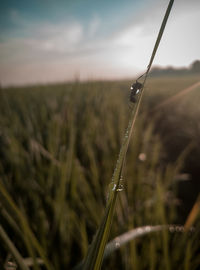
(58, 149)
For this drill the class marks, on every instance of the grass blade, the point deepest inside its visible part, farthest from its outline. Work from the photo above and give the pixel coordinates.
(30, 239)
(13, 249)
(162, 28)
(128, 236)
(96, 251)
(193, 214)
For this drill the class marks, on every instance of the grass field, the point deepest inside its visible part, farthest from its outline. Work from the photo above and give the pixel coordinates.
(58, 148)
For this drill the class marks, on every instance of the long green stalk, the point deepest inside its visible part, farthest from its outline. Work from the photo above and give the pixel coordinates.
(96, 251)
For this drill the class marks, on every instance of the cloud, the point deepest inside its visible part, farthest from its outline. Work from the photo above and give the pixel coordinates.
(94, 26)
(45, 39)
(60, 38)
(180, 42)
(16, 18)
(48, 51)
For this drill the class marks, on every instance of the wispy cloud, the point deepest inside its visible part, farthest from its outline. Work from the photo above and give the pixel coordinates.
(47, 51)
(60, 38)
(94, 25)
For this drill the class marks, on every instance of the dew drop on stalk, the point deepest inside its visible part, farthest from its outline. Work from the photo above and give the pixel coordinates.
(114, 187)
(117, 244)
(120, 187)
(11, 265)
(139, 230)
(142, 157)
(137, 92)
(172, 228)
(126, 134)
(148, 229)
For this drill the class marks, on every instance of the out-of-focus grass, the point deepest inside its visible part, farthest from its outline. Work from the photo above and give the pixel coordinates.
(58, 147)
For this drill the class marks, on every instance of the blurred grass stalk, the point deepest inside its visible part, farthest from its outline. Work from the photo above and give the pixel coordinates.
(193, 214)
(29, 238)
(11, 247)
(96, 250)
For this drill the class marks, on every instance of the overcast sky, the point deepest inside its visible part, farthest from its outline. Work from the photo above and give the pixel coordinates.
(60, 40)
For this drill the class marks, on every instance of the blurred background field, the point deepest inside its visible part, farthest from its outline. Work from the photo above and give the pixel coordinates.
(59, 142)
(58, 147)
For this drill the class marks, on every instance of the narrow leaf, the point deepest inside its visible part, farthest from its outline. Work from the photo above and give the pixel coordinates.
(96, 251)
(30, 240)
(12, 249)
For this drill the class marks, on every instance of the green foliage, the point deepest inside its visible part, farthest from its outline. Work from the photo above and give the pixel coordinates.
(58, 147)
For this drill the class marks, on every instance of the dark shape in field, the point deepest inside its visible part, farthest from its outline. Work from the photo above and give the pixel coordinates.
(135, 89)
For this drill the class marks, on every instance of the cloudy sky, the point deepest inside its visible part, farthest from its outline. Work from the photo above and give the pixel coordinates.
(60, 40)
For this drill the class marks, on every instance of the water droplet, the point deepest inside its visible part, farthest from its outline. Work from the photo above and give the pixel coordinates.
(11, 265)
(120, 188)
(179, 228)
(171, 229)
(117, 244)
(148, 228)
(137, 91)
(114, 187)
(139, 230)
(142, 157)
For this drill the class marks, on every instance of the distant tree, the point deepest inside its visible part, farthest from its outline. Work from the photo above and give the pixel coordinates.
(195, 66)
(170, 71)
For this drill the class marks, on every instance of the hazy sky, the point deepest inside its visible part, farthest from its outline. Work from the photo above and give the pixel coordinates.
(59, 40)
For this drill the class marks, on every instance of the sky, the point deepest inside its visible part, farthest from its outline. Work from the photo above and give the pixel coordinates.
(43, 41)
